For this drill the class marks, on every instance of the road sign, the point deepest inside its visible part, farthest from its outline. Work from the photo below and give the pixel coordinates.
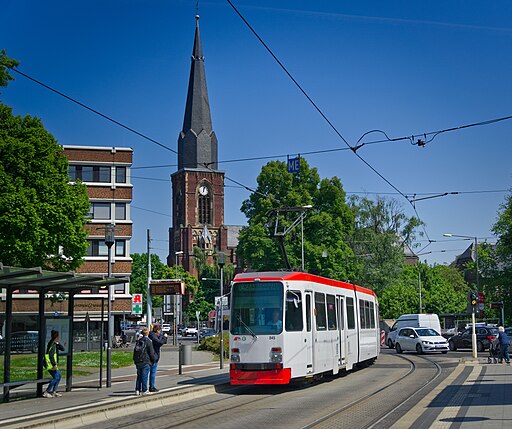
(137, 298)
(496, 304)
(167, 287)
(294, 165)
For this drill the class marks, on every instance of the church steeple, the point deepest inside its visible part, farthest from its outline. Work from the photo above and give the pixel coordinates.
(197, 143)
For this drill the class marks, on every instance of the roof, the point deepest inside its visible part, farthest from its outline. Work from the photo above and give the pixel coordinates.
(42, 280)
(299, 276)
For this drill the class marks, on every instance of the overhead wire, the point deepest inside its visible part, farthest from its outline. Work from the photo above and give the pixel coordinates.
(85, 106)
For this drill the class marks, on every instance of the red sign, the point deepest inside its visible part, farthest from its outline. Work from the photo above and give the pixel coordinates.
(481, 297)
(137, 298)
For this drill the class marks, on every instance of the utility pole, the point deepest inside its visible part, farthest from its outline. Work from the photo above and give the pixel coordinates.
(148, 291)
(109, 242)
(221, 265)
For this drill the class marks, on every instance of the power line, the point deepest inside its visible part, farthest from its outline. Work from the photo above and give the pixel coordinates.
(108, 118)
(150, 211)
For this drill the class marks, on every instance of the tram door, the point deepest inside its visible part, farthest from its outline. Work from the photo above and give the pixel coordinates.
(341, 328)
(308, 339)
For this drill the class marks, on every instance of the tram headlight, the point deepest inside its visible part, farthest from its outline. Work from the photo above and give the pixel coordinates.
(276, 355)
(235, 355)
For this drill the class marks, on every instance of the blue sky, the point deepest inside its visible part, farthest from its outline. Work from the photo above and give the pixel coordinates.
(399, 66)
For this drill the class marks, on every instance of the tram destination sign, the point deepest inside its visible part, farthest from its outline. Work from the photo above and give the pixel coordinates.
(167, 287)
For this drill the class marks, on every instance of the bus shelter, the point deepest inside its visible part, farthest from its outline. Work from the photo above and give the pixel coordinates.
(41, 282)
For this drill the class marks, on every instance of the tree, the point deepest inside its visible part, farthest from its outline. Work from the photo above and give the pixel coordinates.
(326, 225)
(6, 63)
(42, 215)
(381, 233)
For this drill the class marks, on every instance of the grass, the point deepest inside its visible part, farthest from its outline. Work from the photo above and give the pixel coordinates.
(24, 367)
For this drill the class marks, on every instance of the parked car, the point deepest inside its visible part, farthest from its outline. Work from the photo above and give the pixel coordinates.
(508, 331)
(413, 321)
(207, 332)
(484, 336)
(166, 328)
(421, 340)
(190, 331)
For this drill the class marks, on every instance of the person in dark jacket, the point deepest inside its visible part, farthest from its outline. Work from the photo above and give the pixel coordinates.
(504, 343)
(52, 349)
(144, 366)
(158, 341)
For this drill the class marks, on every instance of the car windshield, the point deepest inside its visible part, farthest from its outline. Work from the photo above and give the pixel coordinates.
(257, 308)
(493, 331)
(427, 332)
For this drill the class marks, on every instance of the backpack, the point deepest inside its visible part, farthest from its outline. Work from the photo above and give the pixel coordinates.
(139, 352)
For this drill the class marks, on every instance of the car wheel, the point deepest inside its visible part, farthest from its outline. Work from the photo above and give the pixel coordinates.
(390, 344)
(398, 348)
(444, 352)
(452, 346)
(479, 346)
(419, 350)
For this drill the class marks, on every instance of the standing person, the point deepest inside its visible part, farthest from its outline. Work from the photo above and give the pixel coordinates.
(504, 343)
(143, 357)
(51, 362)
(158, 341)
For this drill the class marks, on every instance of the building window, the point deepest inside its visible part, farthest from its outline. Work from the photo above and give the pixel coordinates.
(120, 211)
(120, 174)
(120, 247)
(97, 248)
(100, 211)
(204, 209)
(90, 173)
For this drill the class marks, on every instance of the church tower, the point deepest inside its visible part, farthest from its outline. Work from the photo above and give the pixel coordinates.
(197, 186)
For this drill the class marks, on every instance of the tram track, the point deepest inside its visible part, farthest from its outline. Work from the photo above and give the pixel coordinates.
(318, 423)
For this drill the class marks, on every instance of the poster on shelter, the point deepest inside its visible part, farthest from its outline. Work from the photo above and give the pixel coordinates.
(60, 324)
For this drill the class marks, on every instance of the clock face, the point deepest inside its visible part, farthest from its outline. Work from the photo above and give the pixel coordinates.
(203, 190)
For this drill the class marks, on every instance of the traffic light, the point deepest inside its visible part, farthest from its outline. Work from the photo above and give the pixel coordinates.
(474, 297)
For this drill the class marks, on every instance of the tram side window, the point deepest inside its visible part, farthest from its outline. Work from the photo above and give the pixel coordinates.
(362, 323)
(367, 314)
(293, 317)
(372, 316)
(308, 313)
(331, 312)
(351, 320)
(321, 320)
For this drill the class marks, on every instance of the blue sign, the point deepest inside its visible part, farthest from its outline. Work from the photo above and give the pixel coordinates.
(294, 165)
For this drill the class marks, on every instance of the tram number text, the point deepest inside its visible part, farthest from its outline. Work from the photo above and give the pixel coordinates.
(272, 337)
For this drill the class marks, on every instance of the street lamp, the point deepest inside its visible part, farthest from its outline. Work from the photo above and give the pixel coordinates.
(109, 242)
(473, 318)
(220, 261)
(177, 297)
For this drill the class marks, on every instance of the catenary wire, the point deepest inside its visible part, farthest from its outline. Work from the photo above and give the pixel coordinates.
(108, 118)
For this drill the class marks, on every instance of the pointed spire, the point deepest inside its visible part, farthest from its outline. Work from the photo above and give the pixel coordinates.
(194, 152)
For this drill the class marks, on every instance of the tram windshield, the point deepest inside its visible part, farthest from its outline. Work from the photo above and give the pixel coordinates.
(257, 308)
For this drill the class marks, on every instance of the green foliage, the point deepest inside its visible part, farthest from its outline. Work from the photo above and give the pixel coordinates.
(212, 344)
(40, 211)
(199, 304)
(443, 291)
(6, 63)
(380, 236)
(326, 225)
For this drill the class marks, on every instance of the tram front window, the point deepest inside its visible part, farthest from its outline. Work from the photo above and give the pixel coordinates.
(257, 308)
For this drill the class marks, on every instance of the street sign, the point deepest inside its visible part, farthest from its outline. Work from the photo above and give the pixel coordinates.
(294, 165)
(167, 287)
(496, 304)
(137, 303)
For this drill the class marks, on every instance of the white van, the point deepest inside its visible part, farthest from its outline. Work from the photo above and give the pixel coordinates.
(413, 321)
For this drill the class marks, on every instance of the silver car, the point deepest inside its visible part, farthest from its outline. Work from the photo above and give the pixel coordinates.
(421, 340)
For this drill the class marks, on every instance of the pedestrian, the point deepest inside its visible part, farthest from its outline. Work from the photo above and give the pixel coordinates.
(143, 357)
(504, 343)
(51, 363)
(158, 339)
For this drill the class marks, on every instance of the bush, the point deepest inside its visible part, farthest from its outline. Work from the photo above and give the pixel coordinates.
(212, 344)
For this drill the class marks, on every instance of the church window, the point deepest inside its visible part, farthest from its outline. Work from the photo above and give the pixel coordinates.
(204, 205)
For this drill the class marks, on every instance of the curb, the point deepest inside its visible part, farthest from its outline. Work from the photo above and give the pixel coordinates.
(92, 414)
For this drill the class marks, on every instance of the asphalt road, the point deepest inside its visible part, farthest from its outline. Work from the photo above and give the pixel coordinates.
(375, 396)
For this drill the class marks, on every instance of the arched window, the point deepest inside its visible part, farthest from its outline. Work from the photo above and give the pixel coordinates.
(204, 205)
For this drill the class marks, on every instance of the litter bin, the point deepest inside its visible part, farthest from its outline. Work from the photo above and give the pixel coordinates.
(186, 354)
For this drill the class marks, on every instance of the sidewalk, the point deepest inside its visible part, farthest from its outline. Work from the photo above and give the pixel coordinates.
(476, 395)
(82, 405)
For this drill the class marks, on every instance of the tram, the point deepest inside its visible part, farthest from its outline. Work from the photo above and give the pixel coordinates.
(288, 326)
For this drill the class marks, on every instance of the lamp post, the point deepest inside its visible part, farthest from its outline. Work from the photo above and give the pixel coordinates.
(473, 317)
(221, 265)
(176, 298)
(109, 242)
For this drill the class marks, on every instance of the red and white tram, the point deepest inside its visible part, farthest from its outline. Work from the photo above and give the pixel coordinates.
(293, 325)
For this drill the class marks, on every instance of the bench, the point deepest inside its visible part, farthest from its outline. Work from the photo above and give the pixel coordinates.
(13, 384)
